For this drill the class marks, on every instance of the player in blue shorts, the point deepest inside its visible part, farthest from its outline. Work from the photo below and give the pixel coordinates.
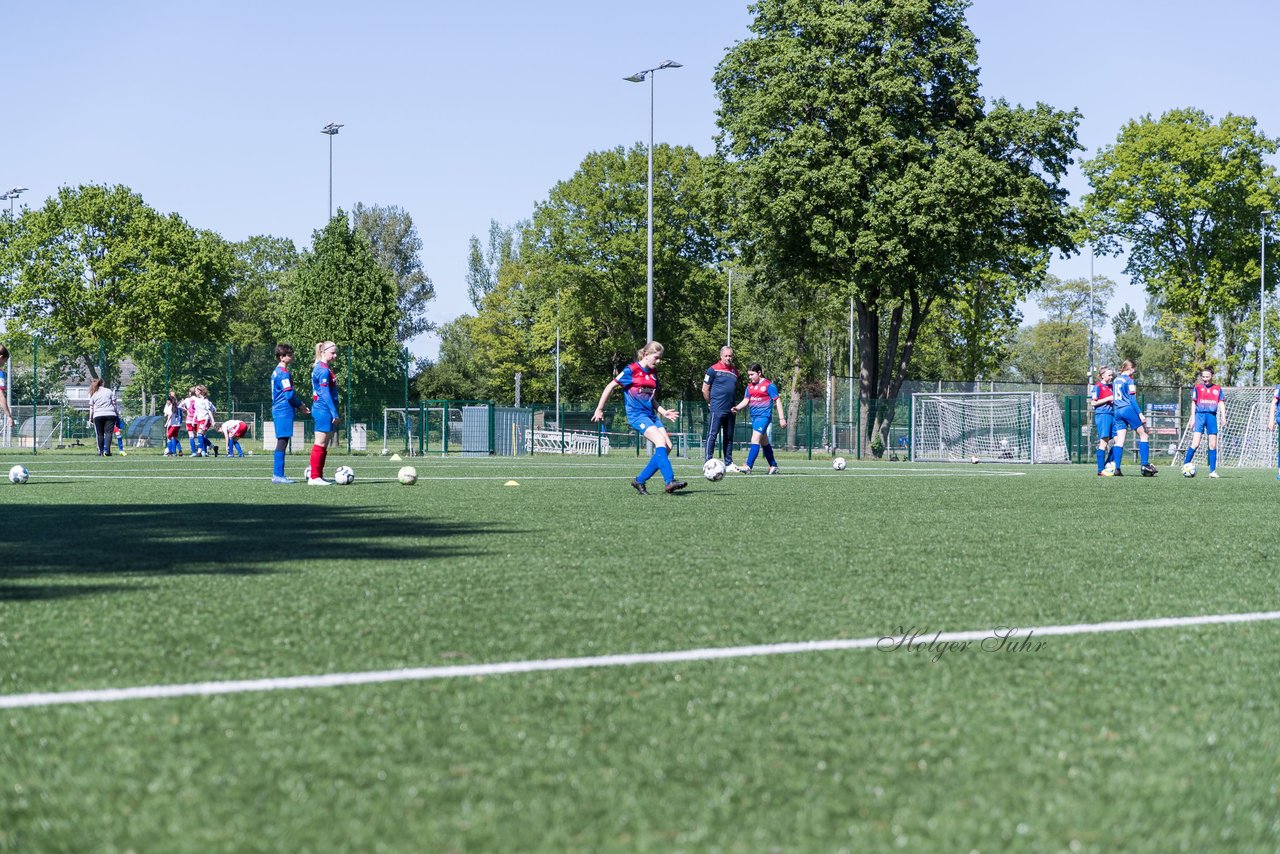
(324, 409)
(284, 402)
(4, 388)
(1207, 409)
(639, 384)
(1128, 416)
(1275, 419)
(761, 396)
(1101, 398)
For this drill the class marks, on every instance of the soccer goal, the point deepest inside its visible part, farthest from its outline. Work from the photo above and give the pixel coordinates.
(989, 427)
(1245, 439)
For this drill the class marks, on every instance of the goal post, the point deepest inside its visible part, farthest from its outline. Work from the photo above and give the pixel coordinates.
(989, 427)
(1245, 439)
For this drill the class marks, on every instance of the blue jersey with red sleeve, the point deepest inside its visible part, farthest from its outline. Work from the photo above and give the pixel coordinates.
(640, 390)
(1102, 392)
(1207, 397)
(324, 391)
(283, 397)
(760, 397)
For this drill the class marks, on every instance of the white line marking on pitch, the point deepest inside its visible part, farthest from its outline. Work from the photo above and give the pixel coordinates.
(419, 674)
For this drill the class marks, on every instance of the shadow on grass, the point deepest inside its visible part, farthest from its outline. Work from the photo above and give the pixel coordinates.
(205, 538)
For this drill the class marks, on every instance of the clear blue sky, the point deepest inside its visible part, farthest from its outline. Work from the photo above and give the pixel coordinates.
(465, 112)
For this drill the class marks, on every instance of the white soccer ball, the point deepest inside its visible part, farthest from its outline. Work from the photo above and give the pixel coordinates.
(713, 470)
(838, 464)
(306, 473)
(975, 461)
(1188, 469)
(344, 476)
(19, 474)
(407, 475)
(1109, 469)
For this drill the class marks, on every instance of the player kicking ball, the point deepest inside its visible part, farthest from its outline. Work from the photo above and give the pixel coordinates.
(1208, 409)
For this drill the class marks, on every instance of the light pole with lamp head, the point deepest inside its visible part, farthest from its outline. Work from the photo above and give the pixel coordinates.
(11, 195)
(330, 130)
(639, 77)
(1262, 301)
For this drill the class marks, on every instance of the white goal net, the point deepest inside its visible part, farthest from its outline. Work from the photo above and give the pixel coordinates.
(1245, 439)
(992, 427)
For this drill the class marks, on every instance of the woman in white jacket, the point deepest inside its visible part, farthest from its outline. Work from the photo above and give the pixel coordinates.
(103, 412)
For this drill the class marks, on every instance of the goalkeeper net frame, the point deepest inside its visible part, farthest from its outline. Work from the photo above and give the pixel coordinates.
(1245, 439)
(987, 427)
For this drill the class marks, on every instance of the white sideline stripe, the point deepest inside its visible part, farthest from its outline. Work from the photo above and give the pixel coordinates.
(419, 674)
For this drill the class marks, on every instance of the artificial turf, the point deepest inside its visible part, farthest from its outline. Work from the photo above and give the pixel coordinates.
(142, 571)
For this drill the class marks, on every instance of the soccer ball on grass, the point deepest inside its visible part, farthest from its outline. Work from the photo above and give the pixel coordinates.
(1188, 469)
(838, 464)
(18, 474)
(407, 475)
(713, 470)
(344, 476)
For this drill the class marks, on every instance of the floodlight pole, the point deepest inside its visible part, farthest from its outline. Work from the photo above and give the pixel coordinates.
(1091, 316)
(331, 130)
(639, 77)
(728, 320)
(1262, 301)
(11, 195)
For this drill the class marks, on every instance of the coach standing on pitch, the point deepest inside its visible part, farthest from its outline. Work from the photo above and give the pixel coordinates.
(720, 391)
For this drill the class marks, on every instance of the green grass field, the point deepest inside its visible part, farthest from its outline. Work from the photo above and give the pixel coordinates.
(140, 571)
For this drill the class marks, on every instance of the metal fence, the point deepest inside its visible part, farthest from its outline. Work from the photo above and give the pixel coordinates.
(380, 412)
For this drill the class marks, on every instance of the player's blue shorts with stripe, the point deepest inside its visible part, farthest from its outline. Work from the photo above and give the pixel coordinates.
(1105, 422)
(760, 423)
(1206, 422)
(323, 420)
(643, 422)
(1128, 419)
(283, 422)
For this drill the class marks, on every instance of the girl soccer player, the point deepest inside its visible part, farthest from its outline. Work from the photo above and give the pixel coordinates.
(1127, 416)
(233, 430)
(188, 407)
(324, 409)
(1101, 399)
(172, 424)
(639, 384)
(761, 396)
(284, 400)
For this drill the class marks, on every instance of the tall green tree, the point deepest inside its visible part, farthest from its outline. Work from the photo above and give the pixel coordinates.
(96, 263)
(485, 263)
(395, 243)
(340, 292)
(862, 159)
(1184, 195)
(583, 260)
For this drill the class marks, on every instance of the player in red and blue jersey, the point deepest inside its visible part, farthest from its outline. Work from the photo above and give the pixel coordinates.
(761, 396)
(1275, 419)
(1101, 399)
(1207, 407)
(1128, 416)
(324, 409)
(639, 384)
(284, 401)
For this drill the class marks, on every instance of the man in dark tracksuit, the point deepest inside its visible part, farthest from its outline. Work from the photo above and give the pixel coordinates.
(720, 391)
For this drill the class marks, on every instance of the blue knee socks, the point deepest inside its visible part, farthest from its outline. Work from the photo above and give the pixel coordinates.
(1144, 452)
(278, 464)
(768, 455)
(752, 453)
